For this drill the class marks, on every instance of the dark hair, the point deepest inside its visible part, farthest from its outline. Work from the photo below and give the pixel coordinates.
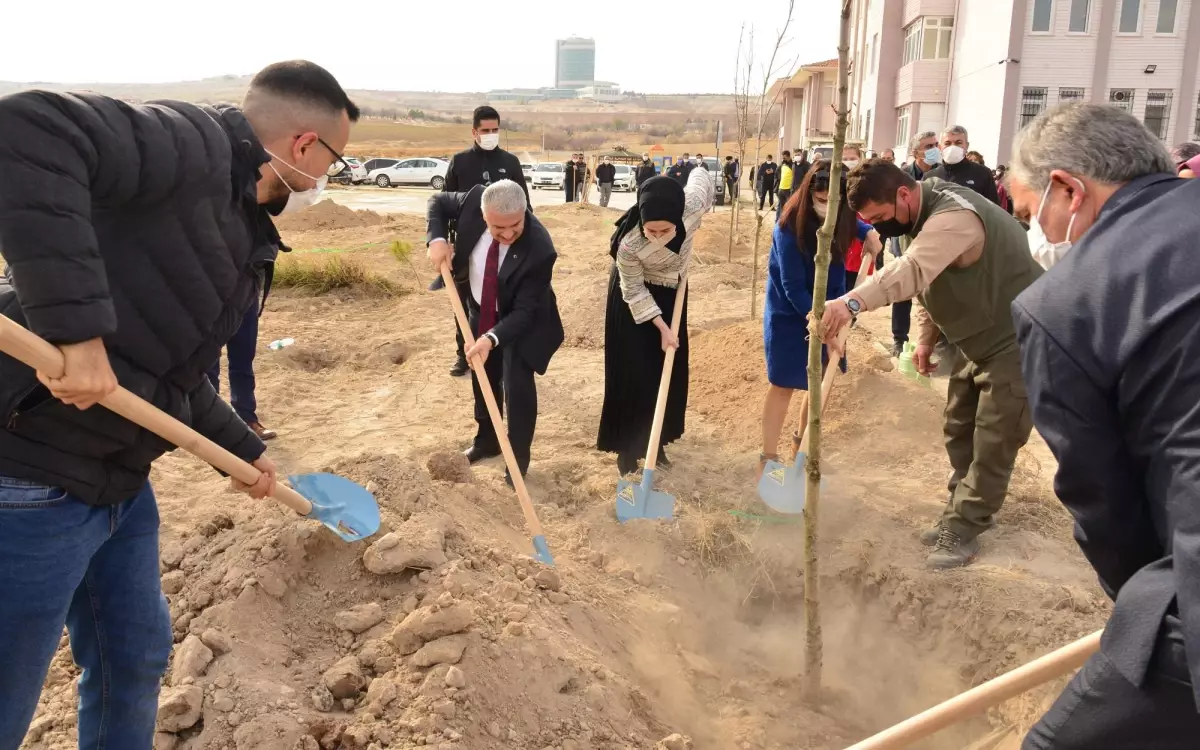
(977, 155)
(787, 153)
(484, 113)
(306, 81)
(799, 216)
(1185, 151)
(728, 158)
(876, 181)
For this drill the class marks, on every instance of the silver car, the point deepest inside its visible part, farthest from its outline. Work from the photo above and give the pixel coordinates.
(421, 171)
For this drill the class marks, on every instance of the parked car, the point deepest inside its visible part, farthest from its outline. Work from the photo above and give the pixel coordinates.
(548, 176)
(378, 163)
(527, 170)
(714, 169)
(430, 172)
(355, 175)
(624, 179)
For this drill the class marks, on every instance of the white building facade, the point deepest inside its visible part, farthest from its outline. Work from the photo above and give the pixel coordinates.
(993, 65)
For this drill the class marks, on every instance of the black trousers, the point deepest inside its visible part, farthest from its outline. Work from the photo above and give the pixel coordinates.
(512, 381)
(1101, 710)
(763, 194)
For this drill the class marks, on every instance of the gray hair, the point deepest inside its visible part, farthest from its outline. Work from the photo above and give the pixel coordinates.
(956, 130)
(916, 140)
(505, 197)
(1184, 151)
(1097, 141)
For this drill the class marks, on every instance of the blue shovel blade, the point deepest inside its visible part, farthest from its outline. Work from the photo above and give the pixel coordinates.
(640, 500)
(541, 551)
(345, 507)
(782, 488)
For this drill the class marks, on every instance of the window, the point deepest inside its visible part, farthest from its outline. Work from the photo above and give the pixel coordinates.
(902, 116)
(1079, 16)
(1070, 95)
(939, 35)
(912, 42)
(1131, 11)
(1121, 99)
(1158, 112)
(875, 54)
(1166, 16)
(1033, 103)
(1041, 16)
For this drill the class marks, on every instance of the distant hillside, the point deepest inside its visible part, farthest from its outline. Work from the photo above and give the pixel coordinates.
(231, 89)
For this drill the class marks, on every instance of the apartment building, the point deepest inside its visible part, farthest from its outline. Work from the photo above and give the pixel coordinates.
(993, 65)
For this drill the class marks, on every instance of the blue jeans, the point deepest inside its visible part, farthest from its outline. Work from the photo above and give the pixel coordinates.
(241, 349)
(94, 569)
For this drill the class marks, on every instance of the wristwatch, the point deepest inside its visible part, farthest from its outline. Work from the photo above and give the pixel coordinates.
(854, 306)
(492, 337)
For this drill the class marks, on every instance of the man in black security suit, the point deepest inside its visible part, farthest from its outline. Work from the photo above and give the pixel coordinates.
(505, 258)
(482, 164)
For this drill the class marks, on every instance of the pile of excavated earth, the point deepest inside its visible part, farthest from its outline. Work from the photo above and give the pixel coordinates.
(440, 631)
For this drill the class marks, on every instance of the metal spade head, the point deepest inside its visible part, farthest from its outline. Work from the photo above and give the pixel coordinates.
(640, 500)
(541, 551)
(782, 488)
(345, 507)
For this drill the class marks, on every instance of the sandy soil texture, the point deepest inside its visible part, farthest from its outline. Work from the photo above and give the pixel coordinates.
(441, 632)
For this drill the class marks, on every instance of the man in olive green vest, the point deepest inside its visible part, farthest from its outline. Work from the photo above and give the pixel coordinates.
(967, 259)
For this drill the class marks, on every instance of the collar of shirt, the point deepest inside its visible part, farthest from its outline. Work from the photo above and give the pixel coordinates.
(478, 264)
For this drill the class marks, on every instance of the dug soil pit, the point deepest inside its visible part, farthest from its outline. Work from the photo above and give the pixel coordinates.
(440, 631)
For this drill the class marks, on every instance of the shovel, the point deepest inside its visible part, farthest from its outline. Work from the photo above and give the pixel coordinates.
(541, 551)
(982, 697)
(781, 487)
(641, 500)
(346, 508)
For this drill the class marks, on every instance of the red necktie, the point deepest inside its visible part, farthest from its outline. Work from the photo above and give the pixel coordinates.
(491, 282)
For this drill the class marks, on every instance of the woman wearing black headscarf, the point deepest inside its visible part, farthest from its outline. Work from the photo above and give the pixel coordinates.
(651, 249)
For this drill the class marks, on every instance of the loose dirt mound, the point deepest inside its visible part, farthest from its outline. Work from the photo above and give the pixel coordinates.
(327, 215)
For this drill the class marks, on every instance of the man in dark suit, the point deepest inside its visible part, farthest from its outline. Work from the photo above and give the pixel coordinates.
(570, 179)
(1110, 348)
(503, 261)
(960, 170)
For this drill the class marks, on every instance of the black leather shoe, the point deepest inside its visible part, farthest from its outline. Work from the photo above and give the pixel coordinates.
(662, 459)
(626, 463)
(460, 368)
(475, 454)
(509, 480)
(437, 284)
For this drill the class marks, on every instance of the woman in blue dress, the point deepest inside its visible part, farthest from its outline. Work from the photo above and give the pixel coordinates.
(790, 275)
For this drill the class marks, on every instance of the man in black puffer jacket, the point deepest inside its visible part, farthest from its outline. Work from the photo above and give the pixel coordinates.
(136, 239)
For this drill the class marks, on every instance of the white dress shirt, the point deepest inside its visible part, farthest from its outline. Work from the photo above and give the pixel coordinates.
(478, 264)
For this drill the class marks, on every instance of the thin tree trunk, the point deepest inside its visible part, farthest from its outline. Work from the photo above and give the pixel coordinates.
(813, 646)
(732, 223)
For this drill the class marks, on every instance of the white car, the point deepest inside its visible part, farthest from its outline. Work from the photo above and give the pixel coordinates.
(527, 171)
(624, 180)
(422, 171)
(548, 176)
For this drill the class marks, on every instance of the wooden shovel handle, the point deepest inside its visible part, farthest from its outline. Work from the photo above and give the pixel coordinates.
(664, 383)
(980, 698)
(489, 398)
(29, 348)
(832, 370)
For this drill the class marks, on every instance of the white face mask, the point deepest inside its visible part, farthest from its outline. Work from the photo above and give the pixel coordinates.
(299, 199)
(1045, 252)
(664, 240)
(953, 154)
(821, 209)
(489, 141)
(850, 163)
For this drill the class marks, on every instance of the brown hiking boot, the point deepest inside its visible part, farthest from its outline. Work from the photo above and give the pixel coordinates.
(263, 433)
(952, 551)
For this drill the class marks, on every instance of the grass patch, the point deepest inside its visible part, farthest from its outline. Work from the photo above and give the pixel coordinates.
(334, 272)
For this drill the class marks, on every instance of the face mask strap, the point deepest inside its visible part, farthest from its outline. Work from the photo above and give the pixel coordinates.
(292, 167)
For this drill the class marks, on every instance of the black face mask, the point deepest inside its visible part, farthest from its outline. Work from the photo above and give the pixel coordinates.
(892, 227)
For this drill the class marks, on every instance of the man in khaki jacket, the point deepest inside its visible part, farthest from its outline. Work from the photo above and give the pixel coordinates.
(966, 261)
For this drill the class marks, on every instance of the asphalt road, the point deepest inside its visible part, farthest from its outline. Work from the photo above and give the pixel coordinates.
(412, 200)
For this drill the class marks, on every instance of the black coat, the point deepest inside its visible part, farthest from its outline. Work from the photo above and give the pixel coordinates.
(605, 174)
(968, 174)
(467, 170)
(1110, 350)
(768, 176)
(645, 171)
(529, 319)
(141, 225)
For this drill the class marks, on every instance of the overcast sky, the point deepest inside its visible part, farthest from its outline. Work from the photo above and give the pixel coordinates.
(426, 45)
